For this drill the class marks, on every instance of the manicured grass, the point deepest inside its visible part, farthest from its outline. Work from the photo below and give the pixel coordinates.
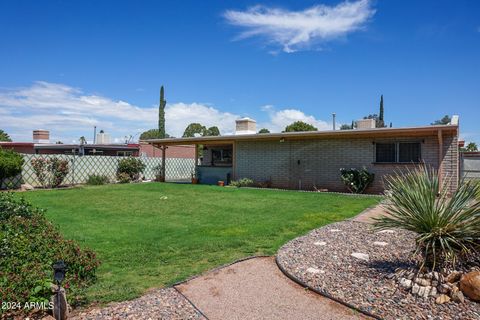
(153, 234)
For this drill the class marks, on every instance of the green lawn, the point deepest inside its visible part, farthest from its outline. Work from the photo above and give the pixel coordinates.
(153, 234)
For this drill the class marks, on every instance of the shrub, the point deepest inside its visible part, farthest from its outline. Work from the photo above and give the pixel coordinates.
(356, 180)
(29, 245)
(123, 177)
(131, 166)
(158, 171)
(97, 179)
(50, 172)
(10, 164)
(448, 225)
(244, 182)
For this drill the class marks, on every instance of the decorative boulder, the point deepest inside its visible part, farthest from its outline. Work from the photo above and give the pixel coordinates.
(470, 285)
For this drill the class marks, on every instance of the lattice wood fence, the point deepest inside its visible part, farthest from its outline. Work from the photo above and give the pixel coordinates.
(81, 167)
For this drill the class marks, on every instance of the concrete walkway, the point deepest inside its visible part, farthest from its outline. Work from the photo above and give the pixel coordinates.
(367, 215)
(257, 289)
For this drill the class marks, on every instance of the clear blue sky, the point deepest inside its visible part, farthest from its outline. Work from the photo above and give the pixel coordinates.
(69, 65)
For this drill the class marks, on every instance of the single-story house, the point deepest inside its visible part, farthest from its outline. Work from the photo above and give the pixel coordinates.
(312, 160)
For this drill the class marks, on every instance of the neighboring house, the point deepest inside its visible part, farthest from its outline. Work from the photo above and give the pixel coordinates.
(470, 165)
(41, 145)
(308, 160)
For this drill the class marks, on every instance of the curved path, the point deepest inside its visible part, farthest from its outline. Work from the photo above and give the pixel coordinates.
(257, 289)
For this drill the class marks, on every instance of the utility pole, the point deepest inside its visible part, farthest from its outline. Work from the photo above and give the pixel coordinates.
(333, 116)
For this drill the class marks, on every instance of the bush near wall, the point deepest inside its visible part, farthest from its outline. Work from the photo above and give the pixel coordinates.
(10, 164)
(29, 245)
(129, 169)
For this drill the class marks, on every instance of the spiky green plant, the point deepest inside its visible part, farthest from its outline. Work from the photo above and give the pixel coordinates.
(447, 224)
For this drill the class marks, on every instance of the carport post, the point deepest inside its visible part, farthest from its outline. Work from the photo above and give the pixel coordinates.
(163, 148)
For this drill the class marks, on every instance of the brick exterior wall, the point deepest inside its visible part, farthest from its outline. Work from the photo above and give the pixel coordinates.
(303, 164)
(186, 152)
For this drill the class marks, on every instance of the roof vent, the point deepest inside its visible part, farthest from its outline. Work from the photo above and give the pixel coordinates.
(245, 126)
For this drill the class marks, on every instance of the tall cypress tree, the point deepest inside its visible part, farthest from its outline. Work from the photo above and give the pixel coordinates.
(161, 114)
(380, 115)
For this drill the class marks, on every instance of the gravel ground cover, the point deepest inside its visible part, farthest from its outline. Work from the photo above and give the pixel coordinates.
(160, 304)
(352, 263)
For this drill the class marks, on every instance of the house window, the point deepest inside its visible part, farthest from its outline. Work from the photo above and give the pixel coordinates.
(398, 152)
(124, 153)
(386, 152)
(409, 152)
(221, 156)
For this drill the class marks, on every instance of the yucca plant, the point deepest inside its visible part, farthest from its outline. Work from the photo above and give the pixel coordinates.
(447, 224)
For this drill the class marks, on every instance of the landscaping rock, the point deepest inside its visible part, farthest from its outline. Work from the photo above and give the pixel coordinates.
(406, 283)
(458, 297)
(320, 243)
(314, 270)
(361, 256)
(441, 299)
(422, 282)
(380, 243)
(26, 187)
(470, 285)
(376, 285)
(454, 277)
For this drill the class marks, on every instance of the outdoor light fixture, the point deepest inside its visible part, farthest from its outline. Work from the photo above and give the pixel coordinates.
(59, 269)
(282, 140)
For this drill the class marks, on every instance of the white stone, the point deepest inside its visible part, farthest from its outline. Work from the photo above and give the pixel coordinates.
(433, 292)
(380, 243)
(386, 231)
(405, 283)
(320, 243)
(315, 270)
(361, 256)
(335, 230)
(415, 288)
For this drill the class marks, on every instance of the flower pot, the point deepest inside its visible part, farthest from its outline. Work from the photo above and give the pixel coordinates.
(221, 183)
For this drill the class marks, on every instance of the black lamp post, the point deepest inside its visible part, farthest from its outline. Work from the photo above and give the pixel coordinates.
(60, 302)
(59, 269)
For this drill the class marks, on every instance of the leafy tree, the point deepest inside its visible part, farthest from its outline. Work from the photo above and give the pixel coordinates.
(10, 164)
(161, 114)
(378, 123)
(213, 131)
(299, 126)
(152, 134)
(4, 136)
(194, 128)
(472, 146)
(445, 120)
(346, 127)
(264, 130)
(82, 140)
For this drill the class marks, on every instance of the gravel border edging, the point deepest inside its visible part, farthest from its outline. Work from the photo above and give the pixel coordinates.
(191, 303)
(326, 295)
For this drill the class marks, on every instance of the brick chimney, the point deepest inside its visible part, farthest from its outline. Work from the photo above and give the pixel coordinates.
(245, 126)
(366, 124)
(41, 136)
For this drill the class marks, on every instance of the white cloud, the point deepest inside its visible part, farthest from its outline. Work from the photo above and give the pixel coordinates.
(293, 30)
(279, 119)
(70, 113)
